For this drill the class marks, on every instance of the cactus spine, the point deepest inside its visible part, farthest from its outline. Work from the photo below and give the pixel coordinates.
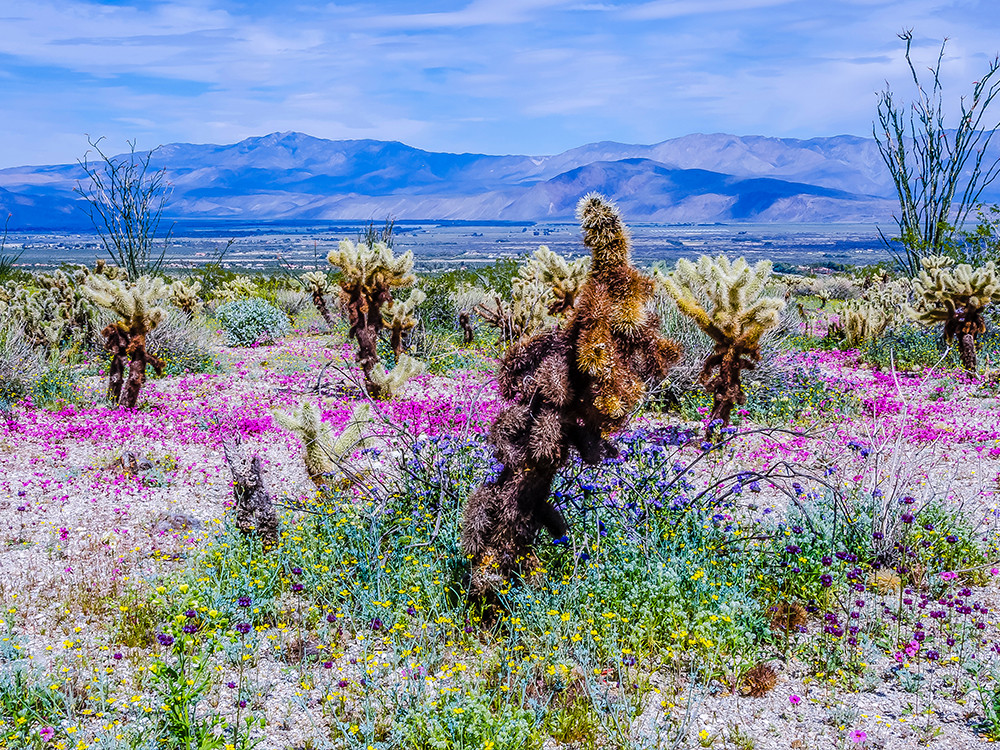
(739, 317)
(570, 388)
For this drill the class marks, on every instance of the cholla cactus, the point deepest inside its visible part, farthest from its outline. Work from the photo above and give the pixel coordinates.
(322, 449)
(544, 290)
(526, 314)
(390, 383)
(185, 297)
(240, 287)
(570, 388)
(562, 277)
(136, 304)
(399, 318)
(369, 274)
(739, 316)
(880, 307)
(956, 296)
(307, 424)
(318, 285)
(465, 323)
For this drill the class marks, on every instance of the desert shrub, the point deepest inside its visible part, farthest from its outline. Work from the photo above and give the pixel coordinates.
(183, 344)
(249, 322)
(20, 365)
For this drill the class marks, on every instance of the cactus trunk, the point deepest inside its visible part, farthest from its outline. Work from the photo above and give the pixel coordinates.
(967, 351)
(468, 334)
(320, 304)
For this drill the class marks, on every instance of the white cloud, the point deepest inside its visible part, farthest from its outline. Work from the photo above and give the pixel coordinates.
(529, 76)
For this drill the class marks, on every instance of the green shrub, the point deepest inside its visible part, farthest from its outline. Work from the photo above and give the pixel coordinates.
(250, 322)
(183, 344)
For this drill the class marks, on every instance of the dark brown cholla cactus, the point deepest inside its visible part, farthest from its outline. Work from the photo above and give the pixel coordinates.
(465, 323)
(369, 274)
(568, 388)
(318, 285)
(739, 317)
(759, 680)
(956, 296)
(136, 305)
(788, 617)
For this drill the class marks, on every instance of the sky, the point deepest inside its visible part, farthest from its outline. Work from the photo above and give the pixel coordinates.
(487, 76)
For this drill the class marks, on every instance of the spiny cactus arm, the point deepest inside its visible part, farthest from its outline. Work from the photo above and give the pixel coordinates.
(389, 383)
(307, 424)
(604, 233)
(352, 437)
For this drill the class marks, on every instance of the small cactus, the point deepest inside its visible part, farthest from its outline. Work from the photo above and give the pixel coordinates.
(318, 285)
(390, 383)
(739, 316)
(399, 318)
(322, 450)
(569, 387)
(136, 305)
(562, 277)
(184, 296)
(957, 296)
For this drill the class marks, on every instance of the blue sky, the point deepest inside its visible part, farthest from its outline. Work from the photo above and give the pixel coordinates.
(490, 76)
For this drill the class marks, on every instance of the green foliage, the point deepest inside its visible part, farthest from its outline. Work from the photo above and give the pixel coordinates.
(28, 703)
(252, 322)
(180, 682)
(907, 347)
(779, 400)
(470, 721)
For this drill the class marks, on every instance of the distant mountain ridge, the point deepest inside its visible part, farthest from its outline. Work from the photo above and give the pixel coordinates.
(293, 176)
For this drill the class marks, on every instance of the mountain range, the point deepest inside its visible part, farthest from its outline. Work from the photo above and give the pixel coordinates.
(293, 176)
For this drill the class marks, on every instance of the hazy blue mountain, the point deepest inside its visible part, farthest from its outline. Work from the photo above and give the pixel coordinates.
(696, 178)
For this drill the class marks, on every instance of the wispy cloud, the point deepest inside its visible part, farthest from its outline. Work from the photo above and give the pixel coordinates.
(525, 76)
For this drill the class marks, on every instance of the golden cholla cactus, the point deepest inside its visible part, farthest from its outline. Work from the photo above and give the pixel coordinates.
(562, 277)
(569, 388)
(322, 450)
(738, 316)
(185, 297)
(525, 314)
(368, 276)
(880, 307)
(137, 306)
(318, 285)
(399, 318)
(956, 295)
